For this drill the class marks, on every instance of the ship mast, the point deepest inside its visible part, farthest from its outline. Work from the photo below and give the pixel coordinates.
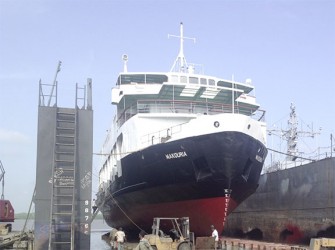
(180, 64)
(292, 135)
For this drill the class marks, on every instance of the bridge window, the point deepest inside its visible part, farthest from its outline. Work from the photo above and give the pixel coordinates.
(211, 82)
(183, 79)
(203, 81)
(159, 79)
(224, 84)
(141, 79)
(194, 80)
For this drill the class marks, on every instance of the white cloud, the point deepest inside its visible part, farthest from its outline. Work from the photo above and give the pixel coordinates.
(9, 136)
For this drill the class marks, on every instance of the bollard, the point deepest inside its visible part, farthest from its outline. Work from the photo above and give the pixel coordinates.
(224, 245)
(220, 244)
(30, 245)
(234, 245)
(228, 245)
(248, 246)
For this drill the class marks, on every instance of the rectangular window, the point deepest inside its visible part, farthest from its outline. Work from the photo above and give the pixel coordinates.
(194, 80)
(224, 84)
(159, 79)
(128, 79)
(183, 79)
(211, 82)
(203, 81)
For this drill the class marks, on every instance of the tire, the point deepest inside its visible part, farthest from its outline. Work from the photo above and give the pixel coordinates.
(154, 247)
(184, 246)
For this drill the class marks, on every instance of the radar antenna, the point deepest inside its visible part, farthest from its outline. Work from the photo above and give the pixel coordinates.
(180, 64)
(291, 135)
(125, 60)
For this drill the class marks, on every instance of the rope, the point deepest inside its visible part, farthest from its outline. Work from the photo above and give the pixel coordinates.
(303, 158)
(125, 214)
(22, 234)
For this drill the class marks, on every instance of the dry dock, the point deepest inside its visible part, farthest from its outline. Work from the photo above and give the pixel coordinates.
(239, 244)
(207, 243)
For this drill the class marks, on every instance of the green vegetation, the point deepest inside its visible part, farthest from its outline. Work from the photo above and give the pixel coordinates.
(24, 216)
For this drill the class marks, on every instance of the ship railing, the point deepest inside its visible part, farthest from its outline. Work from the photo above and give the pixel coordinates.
(161, 136)
(187, 107)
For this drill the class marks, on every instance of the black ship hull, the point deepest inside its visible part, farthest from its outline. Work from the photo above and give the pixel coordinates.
(290, 206)
(203, 177)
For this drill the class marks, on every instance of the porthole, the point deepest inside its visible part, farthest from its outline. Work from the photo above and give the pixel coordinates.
(216, 124)
(249, 126)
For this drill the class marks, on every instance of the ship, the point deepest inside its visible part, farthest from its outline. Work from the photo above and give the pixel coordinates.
(295, 200)
(181, 144)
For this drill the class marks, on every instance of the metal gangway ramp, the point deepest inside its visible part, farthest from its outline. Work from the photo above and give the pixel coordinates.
(64, 170)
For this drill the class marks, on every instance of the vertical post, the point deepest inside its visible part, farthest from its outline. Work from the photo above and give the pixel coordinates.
(233, 95)
(89, 93)
(40, 95)
(56, 95)
(173, 98)
(331, 145)
(76, 98)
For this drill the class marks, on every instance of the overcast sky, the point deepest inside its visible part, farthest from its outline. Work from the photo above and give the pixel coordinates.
(286, 47)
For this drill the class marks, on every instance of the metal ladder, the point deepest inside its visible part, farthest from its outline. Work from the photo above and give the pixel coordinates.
(63, 182)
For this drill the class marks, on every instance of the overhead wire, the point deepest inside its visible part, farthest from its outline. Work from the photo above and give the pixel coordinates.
(279, 152)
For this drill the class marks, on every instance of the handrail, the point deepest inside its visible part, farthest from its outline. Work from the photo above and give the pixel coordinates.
(43, 96)
(53, 87)
(187, 107)
(80, 96)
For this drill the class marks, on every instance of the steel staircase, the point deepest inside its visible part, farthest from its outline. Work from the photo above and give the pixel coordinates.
(63, 180)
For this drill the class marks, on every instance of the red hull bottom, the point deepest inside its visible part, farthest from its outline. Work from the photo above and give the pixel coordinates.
(202, 213)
